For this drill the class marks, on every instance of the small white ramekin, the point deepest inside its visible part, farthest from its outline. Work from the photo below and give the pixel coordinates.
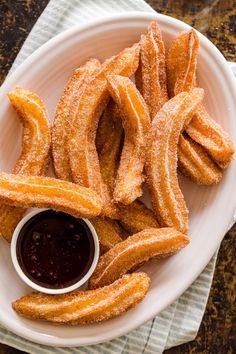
(37, 287)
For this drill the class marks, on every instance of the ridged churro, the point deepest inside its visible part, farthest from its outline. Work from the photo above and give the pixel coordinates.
(109, 141)
(35, 149)
(109, 232)
(136, 123)
(108, 144)
(137, 217)
(195, 163)
(182, 62)
(133, 217)
(81, 145)
(181, 69)
(161, 165)
(205, 131)
(45, 192)
(84, 307)
(135, 251)
(150, 77)
(62, 122)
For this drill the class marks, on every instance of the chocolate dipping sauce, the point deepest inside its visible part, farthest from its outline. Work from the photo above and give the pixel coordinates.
(54, 249)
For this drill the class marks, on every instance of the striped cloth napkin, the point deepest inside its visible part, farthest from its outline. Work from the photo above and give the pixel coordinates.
(179, 322)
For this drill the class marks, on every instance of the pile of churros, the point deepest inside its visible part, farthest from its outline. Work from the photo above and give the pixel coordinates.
(110, 136)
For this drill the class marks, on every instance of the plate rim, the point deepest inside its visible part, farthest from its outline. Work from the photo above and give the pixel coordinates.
(61, 37)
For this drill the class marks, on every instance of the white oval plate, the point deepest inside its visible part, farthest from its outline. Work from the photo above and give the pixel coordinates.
(211, 208)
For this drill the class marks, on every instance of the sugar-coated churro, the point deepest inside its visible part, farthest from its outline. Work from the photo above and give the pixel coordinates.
(135, 251)
(81, 144)
(34, 155)
(62, 124)
(45, 192)
(182, 63)
(83, 307)
(161, 165)
(109, 143)
(195, 163)
(137, 217)
(208, 133)
(109, 232)
(136, 123)
(150, 77)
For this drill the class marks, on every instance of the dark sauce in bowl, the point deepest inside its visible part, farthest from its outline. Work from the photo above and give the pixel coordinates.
(54, 249)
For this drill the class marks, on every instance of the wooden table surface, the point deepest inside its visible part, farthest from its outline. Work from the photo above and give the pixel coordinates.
(217, 20)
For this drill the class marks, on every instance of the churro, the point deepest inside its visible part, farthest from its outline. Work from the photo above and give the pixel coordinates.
(182, 63)
(61, 124)
(181, 69)
(136, 123)
(194, 162)
(109, 232)
(81, 144)
(161, 165)
(150, 77)
(109, 143)
(109, 137)
(84, 307)
(133, 217)
(137, 217)
(35, 149)
(205, 131)
(45, 192)
(135, 251)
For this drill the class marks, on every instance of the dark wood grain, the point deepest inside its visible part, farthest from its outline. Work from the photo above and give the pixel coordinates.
(217, 20)
(16, 20)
